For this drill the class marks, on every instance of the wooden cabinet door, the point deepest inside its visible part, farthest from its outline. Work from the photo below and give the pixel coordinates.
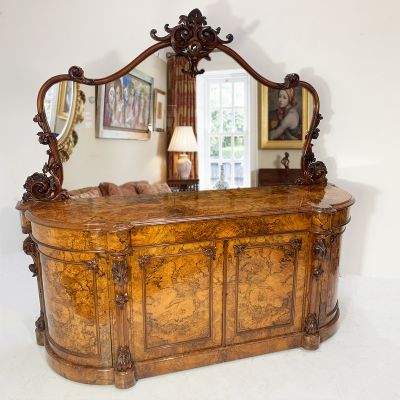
(265, 286)
(177, 298)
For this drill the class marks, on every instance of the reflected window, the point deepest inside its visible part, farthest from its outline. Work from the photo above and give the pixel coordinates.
(223, 111)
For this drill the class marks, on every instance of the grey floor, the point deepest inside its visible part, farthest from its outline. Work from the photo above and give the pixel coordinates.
(362, 361)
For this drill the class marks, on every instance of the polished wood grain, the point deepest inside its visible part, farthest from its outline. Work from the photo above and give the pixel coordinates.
(135, 287)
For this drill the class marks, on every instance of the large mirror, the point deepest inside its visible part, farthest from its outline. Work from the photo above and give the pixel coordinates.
(187, 114)
(240, 125)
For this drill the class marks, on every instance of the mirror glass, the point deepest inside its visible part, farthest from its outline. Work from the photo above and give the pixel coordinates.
(60, 106)
(241, 126)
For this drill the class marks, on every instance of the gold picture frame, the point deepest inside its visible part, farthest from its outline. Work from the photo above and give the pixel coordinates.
(66, 98)
(303, 107)
(160, 111)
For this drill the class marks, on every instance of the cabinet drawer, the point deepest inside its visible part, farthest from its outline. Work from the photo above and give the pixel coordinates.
(177, 292)
(265, 286)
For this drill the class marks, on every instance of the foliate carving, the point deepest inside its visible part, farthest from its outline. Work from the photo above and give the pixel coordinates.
(238, 249)
(291, 80)
(193, 39)
(320, 248)
(144, 261)
(296, 244)
(93, 265)
(314, 172)
(210, 252)
(124, 359)
(40, 324)
(120, 270)
(77, 74)
(121, 299)
(318, 272)
(30, 247)
(311, 324)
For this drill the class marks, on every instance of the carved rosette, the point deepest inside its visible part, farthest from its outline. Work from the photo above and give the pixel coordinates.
(93, 265)
(239, 249)
(144, 261)
(210, 252)
(193, 39)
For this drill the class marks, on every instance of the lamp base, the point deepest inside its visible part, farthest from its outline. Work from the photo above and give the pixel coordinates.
(184, 166)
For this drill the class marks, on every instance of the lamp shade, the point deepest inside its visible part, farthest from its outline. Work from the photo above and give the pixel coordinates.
(183, 140)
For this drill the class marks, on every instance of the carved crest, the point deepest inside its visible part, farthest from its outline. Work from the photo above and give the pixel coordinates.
(193, 39)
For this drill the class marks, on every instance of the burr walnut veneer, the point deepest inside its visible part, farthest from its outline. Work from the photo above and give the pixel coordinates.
(138, 286)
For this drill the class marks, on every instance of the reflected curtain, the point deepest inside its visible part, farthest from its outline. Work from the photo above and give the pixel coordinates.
(181, 109)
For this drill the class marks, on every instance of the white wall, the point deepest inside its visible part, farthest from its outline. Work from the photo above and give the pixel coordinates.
(348, 49)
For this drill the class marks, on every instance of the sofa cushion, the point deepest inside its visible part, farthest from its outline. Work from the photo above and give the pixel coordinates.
(85, 193)
(127, 189)
(155, 188)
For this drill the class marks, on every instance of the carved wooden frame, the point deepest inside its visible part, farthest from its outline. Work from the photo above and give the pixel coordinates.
(193, 39)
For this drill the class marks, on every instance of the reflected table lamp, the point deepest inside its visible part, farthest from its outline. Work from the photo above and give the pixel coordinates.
(182, 141)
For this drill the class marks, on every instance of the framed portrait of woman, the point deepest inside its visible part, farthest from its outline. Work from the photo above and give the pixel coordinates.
(125, 107)
(284, 117)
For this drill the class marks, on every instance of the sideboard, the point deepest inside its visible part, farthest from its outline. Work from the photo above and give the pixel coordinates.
(132, 287)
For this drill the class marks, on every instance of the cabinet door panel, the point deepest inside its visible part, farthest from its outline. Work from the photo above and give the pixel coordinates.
(265, 286)
(177, 296)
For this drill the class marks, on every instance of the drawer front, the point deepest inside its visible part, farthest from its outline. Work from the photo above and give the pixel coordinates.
(177, 292)
(265, 286)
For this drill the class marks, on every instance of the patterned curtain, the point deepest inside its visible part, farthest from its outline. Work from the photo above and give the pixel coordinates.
(181, 110)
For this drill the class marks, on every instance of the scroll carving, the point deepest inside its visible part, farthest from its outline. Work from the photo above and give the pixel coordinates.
(124, 359)
(311, 324)
(314, 172)
(193, 39)
(30, 249)
(41, 186)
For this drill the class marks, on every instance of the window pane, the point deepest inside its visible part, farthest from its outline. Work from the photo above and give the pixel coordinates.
(214, 147)
(215, 121)
(227, 172)
(227, 147)
(239, 120)
(214, 173)
(238, 174)
(226, 94)
(214, 95)
(239, 94)
(238, 151)
(227, 121)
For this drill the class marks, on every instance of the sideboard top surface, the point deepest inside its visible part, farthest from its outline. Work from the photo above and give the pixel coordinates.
(108, 213)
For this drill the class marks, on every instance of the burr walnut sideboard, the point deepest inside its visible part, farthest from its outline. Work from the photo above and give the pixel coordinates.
(132, 287)
(135, 286)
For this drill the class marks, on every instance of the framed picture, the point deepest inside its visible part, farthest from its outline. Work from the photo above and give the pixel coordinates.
(125, 107)
(160, 111)
(64, 103)
(284, 117)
